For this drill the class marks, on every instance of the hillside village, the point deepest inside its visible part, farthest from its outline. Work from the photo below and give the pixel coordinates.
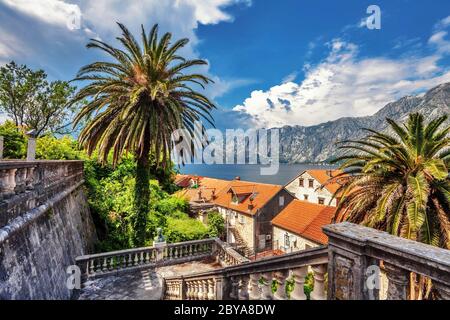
(264, 219)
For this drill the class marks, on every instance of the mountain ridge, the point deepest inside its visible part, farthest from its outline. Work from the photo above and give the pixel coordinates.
(314, 144)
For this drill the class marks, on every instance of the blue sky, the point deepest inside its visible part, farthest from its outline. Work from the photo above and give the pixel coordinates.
(288, 62)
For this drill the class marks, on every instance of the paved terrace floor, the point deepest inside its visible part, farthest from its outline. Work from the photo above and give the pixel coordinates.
(139, 285)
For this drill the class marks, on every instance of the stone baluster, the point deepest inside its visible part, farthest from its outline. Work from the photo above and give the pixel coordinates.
(205, 289)
(299, 287)
(200, 290)
(254, 290)
(189, 290)
(7, 182)
(319, 282)
(398, 280)
(211, 289)
(29, 182)
(280, 277)
(266, 290)
(234, 288)
(243, 287)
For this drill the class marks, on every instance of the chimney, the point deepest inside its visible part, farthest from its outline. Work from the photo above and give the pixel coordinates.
(330, 173)
(237, 178)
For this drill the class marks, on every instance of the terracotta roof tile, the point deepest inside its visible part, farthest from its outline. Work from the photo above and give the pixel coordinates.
(305, 219)
(207, 187)
(323, 175)
(255, 195)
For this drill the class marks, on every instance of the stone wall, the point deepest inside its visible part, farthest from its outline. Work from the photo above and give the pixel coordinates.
(45, 224)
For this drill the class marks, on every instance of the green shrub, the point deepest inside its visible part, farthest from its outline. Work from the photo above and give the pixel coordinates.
(64, 148)
(216, 224)
(14, 141)
(187, 229)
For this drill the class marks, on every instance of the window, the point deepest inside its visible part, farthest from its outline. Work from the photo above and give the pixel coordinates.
(311, 183)
(321, 201)
(307, 246)
(287, 243)
(241, 219)
(306, 197)
(281, 201)
(301, 182)
(235, 199)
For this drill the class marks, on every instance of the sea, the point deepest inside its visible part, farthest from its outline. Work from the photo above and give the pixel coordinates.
(250, 172)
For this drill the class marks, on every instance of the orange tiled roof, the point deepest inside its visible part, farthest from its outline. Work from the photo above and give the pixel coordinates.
(207, 186)
(256, 195)
(305, 219)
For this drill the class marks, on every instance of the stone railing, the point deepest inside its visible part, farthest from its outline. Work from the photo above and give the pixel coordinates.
(357, 254)
(101, 264)
(253, 280)
(29, 188)
(354, 264)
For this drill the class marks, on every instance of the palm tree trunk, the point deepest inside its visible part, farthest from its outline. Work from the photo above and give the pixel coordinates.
(141, 197)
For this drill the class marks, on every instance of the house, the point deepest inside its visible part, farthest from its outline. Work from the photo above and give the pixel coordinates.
(248, 208)
(309, 186)
(299, 226)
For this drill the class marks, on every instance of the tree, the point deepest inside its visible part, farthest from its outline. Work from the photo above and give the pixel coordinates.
(34, 103)
(399, 182)
(137, 101)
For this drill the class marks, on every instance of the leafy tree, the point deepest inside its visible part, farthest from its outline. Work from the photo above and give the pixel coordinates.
(14, 141)
(34, 103)
(136, 102)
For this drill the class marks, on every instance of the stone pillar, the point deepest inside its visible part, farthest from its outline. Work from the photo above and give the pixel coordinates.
(299, 288)
(398, 282)
(31, 149)
(347, 263)
(1, 147)
(319, 282)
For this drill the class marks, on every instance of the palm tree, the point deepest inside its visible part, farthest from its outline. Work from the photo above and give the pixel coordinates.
(136, 101)
(399, 182)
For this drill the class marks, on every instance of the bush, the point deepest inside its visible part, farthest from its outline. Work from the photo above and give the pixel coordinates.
(65, 148)
(216, 224)
(186, 229)
(14, 141)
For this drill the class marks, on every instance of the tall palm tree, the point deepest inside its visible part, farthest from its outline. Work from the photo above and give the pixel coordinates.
(399, 181)
(136, 101)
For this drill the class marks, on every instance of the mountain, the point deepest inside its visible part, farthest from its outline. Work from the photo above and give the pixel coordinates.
(317, 143)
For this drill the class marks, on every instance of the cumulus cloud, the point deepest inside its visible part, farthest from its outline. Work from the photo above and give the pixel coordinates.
(54, 41)
(56, 12)
(344, 84)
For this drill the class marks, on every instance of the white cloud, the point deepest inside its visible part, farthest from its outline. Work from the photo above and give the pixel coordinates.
(344, 85)
(56, 12)
(53, 35)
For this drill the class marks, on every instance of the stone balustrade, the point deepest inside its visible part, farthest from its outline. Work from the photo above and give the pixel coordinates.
(28, 189)
(351, 267)
(358, 255)
(97, 265)
(253, 280)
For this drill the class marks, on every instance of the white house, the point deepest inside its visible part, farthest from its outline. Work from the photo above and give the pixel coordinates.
(307, 186)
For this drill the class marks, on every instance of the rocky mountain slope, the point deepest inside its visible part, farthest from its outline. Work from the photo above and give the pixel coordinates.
(317, 143)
